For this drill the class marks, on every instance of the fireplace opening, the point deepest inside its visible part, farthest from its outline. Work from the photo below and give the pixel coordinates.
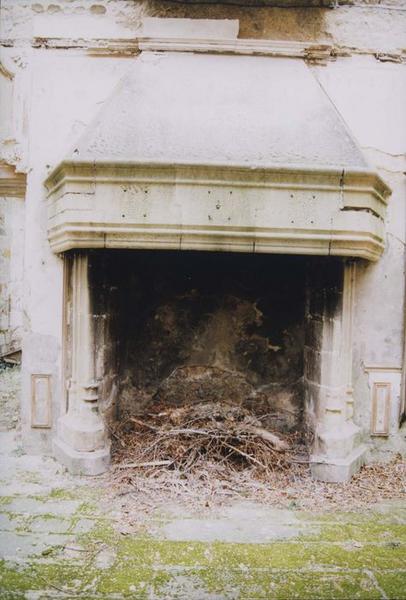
(233, 337)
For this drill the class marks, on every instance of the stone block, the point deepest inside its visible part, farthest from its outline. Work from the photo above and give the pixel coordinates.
(82, 463)
(217, 29)
(337, 470)
(312, 365)
(83, 434)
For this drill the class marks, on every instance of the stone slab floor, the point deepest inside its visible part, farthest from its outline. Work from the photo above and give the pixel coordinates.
(61, 539)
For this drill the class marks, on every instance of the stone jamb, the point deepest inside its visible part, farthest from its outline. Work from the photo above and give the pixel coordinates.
(81, 443)
(337, 452)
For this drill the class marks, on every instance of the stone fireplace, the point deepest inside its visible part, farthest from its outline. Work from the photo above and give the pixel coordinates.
(182, 327)
(210, 232)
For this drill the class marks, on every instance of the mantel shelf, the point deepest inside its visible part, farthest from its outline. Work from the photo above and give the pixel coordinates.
(217, 208)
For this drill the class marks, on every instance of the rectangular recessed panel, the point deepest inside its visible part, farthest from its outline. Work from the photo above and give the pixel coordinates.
(381, 398)
(41, 401)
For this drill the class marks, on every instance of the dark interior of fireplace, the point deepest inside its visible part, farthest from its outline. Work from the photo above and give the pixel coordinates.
(175, 328)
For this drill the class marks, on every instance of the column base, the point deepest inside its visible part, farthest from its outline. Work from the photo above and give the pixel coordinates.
(337, 470)
(81, 463)
(84, 433)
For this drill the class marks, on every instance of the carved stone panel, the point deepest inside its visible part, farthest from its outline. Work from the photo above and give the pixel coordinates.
(41, 400)
(381, 401)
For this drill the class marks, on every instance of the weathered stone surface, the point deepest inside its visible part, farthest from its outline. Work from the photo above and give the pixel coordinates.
(11, 268)
(217, 29)
(10, 396)
(149, 119)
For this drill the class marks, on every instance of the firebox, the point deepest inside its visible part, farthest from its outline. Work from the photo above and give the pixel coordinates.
(187, 327)
(270, 332)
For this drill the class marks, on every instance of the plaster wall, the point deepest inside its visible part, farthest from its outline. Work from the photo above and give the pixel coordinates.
(364, 27)
(61, 104)
(11, 273)
(370, 95)
(61, 91)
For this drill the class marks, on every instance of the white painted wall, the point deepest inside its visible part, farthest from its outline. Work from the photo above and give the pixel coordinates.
(11, 273)
(66, 92)
(371, 97)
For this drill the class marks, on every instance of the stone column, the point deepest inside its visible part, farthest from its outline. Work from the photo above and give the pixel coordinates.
(337, 452)
(81, 443)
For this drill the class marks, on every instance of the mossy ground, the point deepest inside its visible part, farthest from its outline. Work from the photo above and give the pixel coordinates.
(351, 556)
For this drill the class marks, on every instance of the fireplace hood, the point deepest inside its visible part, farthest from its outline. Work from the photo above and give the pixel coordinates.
(204, 150)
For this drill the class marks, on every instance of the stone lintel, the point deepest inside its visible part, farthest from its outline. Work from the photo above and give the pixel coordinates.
(279, 209)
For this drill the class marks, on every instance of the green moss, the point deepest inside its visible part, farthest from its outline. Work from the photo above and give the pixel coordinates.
(102, 532)
(139, 582)
(14, 580)
(87, 509)
(22, 524)
(370, 531)
(279, 555)
(6, 500)
(47, 516)
(324, 565)
(395, 514)
(285, 585)
(393, 584)
(62, 494)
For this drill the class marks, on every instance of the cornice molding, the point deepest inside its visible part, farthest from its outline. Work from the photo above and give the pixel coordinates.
(275, 209)
(287, 49)
(98, 46)
(131, 47)
(163, 237)
(273, 175)
(12, 183)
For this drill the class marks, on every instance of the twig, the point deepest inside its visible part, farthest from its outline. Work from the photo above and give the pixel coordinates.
(152, 463)
(143, 424)
(251, 458)
(277, 443)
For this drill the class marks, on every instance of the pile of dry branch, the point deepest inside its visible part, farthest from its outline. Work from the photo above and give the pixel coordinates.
(183, 438)
(209, 453)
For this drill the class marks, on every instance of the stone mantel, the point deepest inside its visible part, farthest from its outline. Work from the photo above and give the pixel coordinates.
(291, 210)
(202, 149)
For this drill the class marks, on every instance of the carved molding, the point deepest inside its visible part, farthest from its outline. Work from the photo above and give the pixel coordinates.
(81, 429)
(82, 358)
(289, 49)
(385, 398)
(347, 334)
(6, 72)
(125, 47)
(216, 207)
(41, 401)
(381, 405)
(11, 182)
(247, 47)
